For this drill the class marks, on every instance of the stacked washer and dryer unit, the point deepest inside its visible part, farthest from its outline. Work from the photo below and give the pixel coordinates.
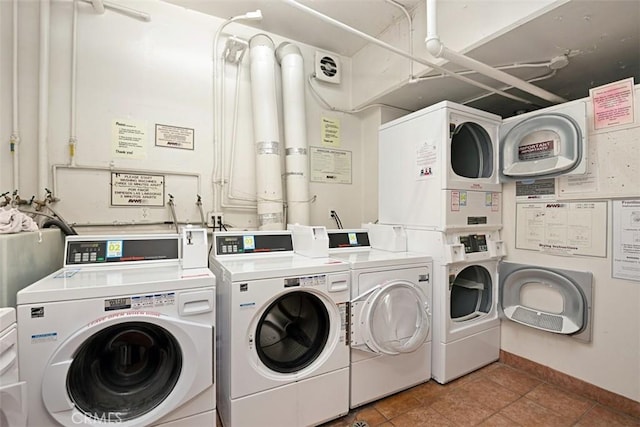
(440, 175)
(283, 353)
(390, 311)
(123, 334)
(13, 392)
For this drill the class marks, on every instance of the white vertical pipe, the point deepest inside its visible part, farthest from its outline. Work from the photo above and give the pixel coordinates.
(295, 133)
(15, 134)
(74, 82)
(43, 97)
(266, 134)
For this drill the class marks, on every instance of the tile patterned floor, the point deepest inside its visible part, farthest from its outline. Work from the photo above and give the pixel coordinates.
(496, 395)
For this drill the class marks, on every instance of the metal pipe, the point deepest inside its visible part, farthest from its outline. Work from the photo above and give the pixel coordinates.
(73, 142)
(15, 134)
(115, 6)
(400, 52)
(436, 48)
(408, 16)
(43, 96)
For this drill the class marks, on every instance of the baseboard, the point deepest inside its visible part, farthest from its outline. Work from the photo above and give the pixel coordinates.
(572, 384)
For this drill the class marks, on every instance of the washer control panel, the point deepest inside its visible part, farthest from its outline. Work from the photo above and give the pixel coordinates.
(119, 249)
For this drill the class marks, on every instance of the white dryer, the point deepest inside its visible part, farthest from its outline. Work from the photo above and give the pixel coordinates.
(283, 355)
(442, 167)
(122, 335)
(13, 392)
(390, 328)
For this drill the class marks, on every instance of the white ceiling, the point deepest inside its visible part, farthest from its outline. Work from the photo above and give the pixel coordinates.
(601, 39)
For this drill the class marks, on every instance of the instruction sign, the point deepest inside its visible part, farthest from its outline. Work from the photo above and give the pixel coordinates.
(330, 132)
(426, 160)
(578, 228)
(129, 139)
(174, 137)
(626, 239)
(536, 151)
(613, 104)
(328, 165)
(128, 189)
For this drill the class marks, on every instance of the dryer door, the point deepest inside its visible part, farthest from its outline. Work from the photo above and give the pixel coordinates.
(545, 143)
(129, 369)
(391, 318)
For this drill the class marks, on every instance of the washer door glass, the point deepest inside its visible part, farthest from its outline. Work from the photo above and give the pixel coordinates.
(471, 293)
(471, 151)
(124, 371)
(292, 332)
(398, 319)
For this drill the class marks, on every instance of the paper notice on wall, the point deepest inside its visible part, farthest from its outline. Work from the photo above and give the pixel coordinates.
(626, 240)
(540, 189)
(426, 160)
(613, 104)
(330, 132)
(330, 166)
(129, 139)
(578, 228)
(128, 189)
(174, 137)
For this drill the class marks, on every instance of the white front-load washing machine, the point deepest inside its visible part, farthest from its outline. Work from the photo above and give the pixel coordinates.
(283, 353)
(122, 335)
(13, 392)
(390, 327)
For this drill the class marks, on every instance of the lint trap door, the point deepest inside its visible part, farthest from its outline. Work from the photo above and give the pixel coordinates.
(391, 318)
(544, 143)
(548, 299)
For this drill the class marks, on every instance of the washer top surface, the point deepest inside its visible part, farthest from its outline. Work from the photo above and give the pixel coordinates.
(270, 266)
(374, 258)
(71, 283)
(7, 317)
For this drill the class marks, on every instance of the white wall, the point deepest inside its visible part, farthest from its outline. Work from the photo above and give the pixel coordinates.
(157, 72)
(612, 359)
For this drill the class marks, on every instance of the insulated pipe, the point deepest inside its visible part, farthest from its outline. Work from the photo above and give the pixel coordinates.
(295, 133)
(43, 96)
(266, 134)
(15, 134)
(436, 48)
(98, 6)
(400, 52)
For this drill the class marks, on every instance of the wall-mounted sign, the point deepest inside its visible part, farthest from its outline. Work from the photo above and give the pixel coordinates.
(626, 239)
(330, 132)
(174, 137)
(613, 104)
(328, 165)
(129, 139)
(129, 189)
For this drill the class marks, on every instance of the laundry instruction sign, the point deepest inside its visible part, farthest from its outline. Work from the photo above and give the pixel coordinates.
(129, 139)
(129, 189)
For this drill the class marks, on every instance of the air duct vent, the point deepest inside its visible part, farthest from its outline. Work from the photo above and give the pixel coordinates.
(327, 67)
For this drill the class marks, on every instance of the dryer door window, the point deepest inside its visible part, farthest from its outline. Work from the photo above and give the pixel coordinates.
(471, 151)
(471, 293)
(292, 332)
(393, 319)
(124, 371)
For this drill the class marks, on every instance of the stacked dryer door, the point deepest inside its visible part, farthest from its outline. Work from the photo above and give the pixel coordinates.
(13, 393)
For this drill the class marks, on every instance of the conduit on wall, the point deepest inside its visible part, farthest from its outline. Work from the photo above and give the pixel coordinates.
(266, 133)
(295, 133)
(43, 98)
(15, 133)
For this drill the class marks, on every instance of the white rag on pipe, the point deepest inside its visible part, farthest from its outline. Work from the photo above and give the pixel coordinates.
(14, 221)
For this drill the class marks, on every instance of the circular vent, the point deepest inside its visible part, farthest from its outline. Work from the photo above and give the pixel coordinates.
(328, 66)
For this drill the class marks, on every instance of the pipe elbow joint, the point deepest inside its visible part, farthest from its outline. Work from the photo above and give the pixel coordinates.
(434, 46)
(286, 48)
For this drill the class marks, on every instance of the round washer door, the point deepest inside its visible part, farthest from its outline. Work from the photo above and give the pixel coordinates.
(392, 318)
(127, 370)
(292, 332)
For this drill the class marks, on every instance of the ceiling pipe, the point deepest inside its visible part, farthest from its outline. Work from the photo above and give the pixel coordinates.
(400, 52)
(100, 5)
(436, 48)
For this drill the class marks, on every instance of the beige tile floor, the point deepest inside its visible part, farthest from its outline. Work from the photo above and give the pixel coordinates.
(496, 395)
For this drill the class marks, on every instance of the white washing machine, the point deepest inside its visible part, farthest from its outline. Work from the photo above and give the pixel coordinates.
(390, 328)
(122, 335)
(283, 354)
(466, 323)
(13, 392)
(441, 167)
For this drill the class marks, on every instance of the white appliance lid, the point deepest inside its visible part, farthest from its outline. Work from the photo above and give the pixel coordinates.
(255, 268)
(7, 317)
(371, 258)
(72, 283)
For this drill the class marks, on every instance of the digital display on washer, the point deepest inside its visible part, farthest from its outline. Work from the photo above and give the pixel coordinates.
(253, 243)
(121, 250)
(474, 243)
(348, 239)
